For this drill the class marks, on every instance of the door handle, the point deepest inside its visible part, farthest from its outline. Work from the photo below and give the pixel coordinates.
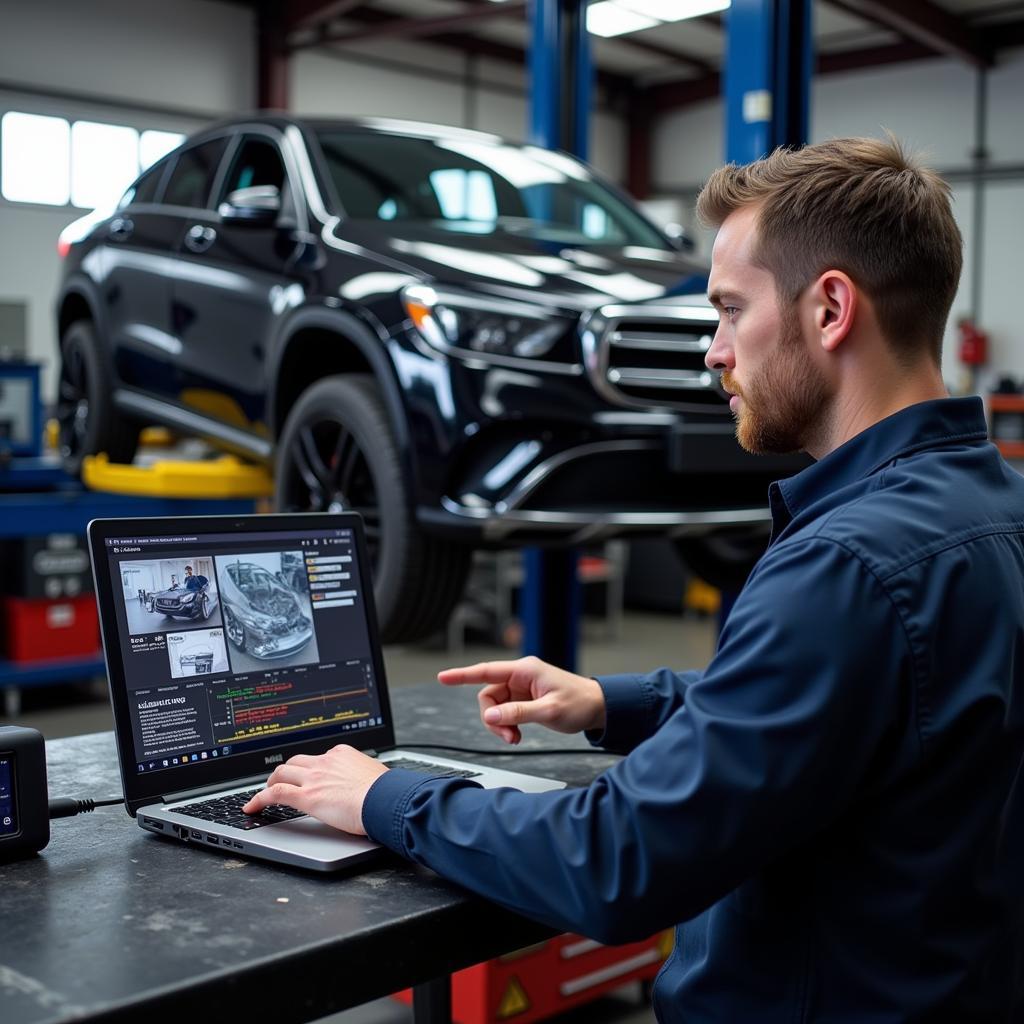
(121, 229)
(200, 237)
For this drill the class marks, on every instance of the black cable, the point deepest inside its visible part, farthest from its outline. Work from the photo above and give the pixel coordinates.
(66, 806)
(509, 753)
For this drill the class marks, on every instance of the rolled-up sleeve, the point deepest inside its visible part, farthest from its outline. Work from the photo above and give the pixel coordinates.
(739, 764)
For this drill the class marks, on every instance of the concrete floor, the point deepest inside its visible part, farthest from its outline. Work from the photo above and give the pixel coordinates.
(644, 641)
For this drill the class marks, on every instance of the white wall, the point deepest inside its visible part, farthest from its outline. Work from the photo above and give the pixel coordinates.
(114, 61)
(930, 105)
(194, 54)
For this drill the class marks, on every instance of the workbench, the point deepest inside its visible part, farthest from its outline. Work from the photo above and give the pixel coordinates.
(110, 923)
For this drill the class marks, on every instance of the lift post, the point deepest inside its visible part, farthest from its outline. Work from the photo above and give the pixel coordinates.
(561, 77)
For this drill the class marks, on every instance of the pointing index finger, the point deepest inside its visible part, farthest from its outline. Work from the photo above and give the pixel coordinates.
(483, 672)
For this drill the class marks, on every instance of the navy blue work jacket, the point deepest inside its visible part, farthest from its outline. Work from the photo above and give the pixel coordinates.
(833, 807)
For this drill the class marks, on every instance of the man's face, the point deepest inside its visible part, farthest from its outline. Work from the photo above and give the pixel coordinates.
(780, 394)
(188, 570)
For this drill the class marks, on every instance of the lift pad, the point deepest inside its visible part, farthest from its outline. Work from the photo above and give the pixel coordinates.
(223, 477)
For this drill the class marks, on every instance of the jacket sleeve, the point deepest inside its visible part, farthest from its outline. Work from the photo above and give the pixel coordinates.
(636, 706)
(770, 744)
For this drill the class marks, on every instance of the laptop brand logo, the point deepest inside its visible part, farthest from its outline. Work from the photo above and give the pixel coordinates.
(274, 759)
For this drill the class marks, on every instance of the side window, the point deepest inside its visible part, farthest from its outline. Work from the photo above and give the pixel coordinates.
(258, 162)
(192, 178)
(145, 189)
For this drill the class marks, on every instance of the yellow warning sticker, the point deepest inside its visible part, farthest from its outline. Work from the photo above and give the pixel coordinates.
(514, 1001)
(666, 940)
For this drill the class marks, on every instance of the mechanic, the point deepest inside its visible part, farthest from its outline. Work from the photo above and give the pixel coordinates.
(831, 807)
(194, 582)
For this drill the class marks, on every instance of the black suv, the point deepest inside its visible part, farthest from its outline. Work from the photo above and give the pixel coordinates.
(468, 341)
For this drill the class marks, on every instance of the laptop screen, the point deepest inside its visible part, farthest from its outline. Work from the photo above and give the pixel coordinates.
(234, 642)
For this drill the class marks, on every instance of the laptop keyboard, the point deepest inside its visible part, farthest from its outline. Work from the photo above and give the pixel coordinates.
(227, 810)
(440, 771)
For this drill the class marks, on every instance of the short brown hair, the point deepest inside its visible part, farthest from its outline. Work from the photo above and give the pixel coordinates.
(862, 206)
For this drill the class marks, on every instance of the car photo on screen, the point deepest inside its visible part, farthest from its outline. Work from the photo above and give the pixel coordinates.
(198, 652)
(268, 619)
(170, 593)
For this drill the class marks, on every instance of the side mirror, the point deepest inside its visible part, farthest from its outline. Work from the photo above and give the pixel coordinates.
(680, 240)
(258, 205)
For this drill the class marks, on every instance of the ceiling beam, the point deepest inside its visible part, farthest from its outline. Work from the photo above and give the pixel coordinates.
(924, 22)
(614, 85)
(418, 28)
(673, 95)
(697, 64)
(312, 14)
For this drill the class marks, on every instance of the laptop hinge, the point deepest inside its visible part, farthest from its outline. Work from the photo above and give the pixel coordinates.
(189, 794)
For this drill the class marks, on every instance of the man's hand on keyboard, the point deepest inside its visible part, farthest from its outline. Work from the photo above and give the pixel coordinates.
(331, 787)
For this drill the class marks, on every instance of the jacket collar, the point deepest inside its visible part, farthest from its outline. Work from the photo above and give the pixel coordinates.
(924, 425)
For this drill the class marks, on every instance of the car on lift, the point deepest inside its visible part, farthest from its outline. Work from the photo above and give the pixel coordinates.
(262, 616)
(470, 342)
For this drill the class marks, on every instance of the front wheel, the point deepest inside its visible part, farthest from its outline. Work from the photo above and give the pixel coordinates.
(337, 452)
(235, 630)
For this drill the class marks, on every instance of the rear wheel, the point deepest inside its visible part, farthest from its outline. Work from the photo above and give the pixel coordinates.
(724, 558)
(88, 422)
(337, 453)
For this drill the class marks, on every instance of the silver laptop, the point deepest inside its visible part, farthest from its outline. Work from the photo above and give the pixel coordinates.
(232, 643)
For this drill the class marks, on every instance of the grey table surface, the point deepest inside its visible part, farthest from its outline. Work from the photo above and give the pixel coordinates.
(112, 923)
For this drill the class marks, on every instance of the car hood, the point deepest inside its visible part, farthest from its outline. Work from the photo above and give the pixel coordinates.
(576, 278)
(171, 593)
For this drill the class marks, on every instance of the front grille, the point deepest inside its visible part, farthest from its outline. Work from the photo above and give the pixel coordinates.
(168, 606)
(653, 356)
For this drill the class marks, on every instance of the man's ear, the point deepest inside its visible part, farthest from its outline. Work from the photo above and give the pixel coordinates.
(835, 300)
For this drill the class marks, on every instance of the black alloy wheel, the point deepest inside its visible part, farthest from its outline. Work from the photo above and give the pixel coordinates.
(337, 453)
(87, 421)
(204, 607)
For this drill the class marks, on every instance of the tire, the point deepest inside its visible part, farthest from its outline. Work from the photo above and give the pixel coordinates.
(204, 607)
(724, 558)
(235, 630)
(88, 422)
(417, 579)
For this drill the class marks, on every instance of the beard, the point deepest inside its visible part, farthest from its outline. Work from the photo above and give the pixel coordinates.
(786, 405)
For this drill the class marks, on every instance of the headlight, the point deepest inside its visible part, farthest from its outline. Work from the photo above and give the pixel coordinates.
(482, 324)
(186, 598)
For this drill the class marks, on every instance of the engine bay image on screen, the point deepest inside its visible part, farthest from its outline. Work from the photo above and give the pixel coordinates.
(268, 618)
(198, 652)
(169, 593)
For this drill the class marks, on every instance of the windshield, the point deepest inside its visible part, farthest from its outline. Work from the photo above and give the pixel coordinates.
(478, 186)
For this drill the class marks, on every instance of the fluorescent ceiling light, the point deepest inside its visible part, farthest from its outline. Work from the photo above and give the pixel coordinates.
(609, 19)
(674, 10)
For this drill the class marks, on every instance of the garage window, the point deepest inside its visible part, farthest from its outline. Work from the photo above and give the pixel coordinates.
(86, 163)
(104, 159)
(35, 159)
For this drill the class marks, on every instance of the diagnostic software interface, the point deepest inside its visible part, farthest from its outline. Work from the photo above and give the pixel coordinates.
(236, 641)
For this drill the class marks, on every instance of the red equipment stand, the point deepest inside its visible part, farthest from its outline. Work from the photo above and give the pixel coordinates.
(540, 981)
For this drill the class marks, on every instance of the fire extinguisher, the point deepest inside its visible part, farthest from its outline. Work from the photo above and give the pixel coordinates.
(973, 344)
